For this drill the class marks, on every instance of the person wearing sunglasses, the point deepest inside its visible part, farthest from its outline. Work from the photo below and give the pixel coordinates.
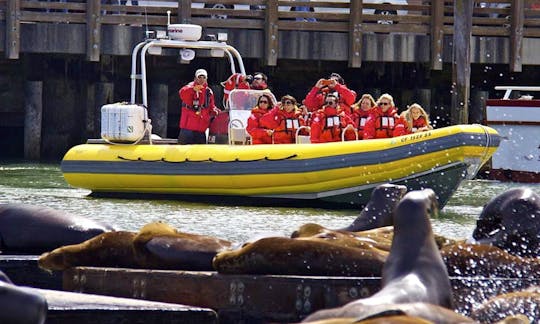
(197, 109)
(382, 120)
(335, 83)
(329, 122)
(361, 112)
(284, 119)
(259, 133)
(241, 81)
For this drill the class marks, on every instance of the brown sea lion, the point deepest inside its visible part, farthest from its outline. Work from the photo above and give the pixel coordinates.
(465, 259)
(302, 256)
(401, 313)
(511, 221)
(28, 229)
(414, 270)
(379, 209)
(111, 249)
(525, 303)
(160, 246)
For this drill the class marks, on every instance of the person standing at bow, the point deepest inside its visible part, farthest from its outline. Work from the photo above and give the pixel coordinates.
(197, 109)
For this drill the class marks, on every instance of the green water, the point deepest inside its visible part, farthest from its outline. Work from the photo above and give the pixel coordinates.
(43, 184)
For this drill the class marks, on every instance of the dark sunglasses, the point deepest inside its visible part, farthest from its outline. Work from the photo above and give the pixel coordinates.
(258, 78)
(288, 102)
(263, 101)
(384, 103)
(201, 77)
(330, 102)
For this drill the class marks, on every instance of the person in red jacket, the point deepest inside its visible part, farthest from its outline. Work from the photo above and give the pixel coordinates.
(315, 98)
(328, 122)
(382, 120)
(240, 81)
(413, 120)
(285, 120)
(197, 109)
(259, 133)
(361, 111)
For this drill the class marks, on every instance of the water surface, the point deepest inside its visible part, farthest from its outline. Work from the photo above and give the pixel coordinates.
(43, 184)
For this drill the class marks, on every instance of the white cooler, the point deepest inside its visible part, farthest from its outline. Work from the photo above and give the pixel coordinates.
(123, 122)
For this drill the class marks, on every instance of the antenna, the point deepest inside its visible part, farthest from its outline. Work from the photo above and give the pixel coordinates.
(168, 17)
(146, 22)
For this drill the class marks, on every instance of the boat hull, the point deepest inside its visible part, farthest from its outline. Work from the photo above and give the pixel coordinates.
(341, 173)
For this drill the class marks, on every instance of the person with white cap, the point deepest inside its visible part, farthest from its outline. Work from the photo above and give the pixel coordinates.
(198, 108)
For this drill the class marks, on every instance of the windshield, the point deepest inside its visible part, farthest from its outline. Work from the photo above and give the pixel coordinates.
(244, 99)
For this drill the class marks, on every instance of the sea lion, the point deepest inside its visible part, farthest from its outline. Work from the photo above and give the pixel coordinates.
(464, 259)
(29, 229)
(379, 209)
(302, 256)
(511, 221)
(111, 249)
(18, 305)
(160, 246)
(524, 303)
(401, 314)
(414, 270)
(4, 277)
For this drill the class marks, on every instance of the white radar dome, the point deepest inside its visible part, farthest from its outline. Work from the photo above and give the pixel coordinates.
(185, 32)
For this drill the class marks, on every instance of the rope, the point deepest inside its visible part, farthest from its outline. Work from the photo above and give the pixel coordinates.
(266, 158)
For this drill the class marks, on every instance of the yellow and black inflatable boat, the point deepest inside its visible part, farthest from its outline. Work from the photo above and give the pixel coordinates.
(332, 174)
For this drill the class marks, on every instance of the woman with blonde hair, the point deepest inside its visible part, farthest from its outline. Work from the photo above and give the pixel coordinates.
(417, 119)
(382, 119)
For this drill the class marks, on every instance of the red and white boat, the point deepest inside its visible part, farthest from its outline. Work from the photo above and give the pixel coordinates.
(516, 117)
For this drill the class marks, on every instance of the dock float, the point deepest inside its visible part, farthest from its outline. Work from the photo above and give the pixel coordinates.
(261, 298)
(23, 270)
(68, 307)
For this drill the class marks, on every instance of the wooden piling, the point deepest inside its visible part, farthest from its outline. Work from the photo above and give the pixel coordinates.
(33, 113)
(13, 29)
(104, 95)
(157, 110)
(461, 61)
(355, 34)
(516, 35)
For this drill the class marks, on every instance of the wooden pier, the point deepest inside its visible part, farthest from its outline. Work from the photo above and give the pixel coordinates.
(440, 40)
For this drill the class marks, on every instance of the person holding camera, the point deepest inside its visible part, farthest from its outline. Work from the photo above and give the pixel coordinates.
(329, 122)
(315, 99)
(197, 109)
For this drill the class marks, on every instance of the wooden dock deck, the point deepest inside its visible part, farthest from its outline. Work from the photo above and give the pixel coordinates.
(257, 298)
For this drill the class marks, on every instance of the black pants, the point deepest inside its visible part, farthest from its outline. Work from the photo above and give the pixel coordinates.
(187, 136)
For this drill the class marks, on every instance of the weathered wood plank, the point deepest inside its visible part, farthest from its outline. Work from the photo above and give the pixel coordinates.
(461, 61)
(355, 34)
(69, 307)
(516, 36)
(13, 29)
(93, 30)
(261, 298)
(23, 270)
(33, 112)
(437, 35)
(184, 11)
(272, 33)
